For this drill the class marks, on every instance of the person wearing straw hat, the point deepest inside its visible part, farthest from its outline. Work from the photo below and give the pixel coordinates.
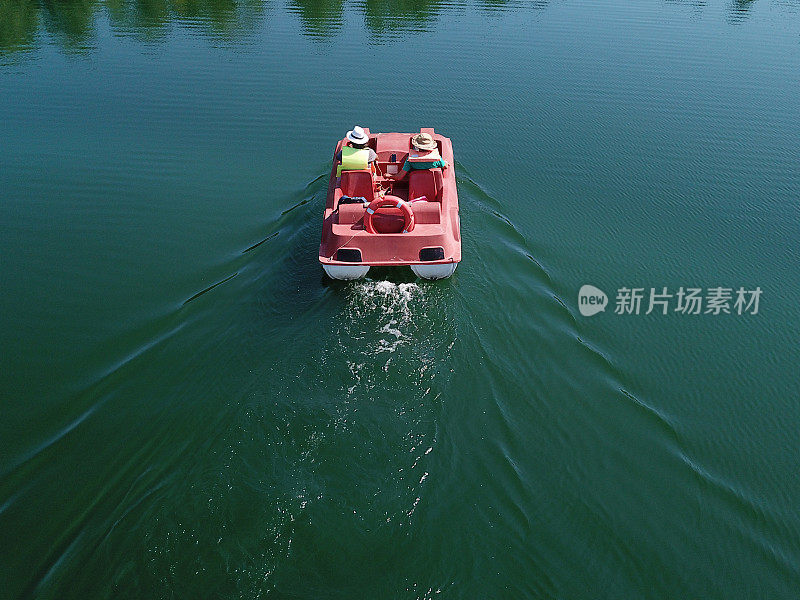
(424, 155)
(356, 155)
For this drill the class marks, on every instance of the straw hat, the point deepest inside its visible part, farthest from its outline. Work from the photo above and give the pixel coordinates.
(357, 135)
(424, 141)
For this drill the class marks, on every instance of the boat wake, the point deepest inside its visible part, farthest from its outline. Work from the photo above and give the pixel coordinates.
(393, 304)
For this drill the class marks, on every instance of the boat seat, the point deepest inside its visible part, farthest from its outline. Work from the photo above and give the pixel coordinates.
(426, 182)
(425, 213)
(350, 214)
(358, 183)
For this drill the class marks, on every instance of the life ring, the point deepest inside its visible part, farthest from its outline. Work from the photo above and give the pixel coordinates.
(385, 201)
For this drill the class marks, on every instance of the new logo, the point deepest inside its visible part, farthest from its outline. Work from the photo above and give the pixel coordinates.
(591, 300)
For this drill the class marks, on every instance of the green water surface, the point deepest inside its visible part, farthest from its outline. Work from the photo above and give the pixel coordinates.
(279, 435)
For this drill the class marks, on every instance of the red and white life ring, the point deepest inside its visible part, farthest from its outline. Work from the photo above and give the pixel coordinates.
(386, 201)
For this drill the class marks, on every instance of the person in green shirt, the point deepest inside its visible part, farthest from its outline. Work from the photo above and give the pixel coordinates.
(424, 155)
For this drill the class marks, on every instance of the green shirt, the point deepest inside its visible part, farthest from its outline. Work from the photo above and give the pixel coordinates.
(408, 166)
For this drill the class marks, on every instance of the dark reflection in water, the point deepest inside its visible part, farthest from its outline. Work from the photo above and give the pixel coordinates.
(223, 19)
(738, 10)
(491, 6)
(320, 19)
(19, 22)
(72, 23)
(395, 18)
(693, 3)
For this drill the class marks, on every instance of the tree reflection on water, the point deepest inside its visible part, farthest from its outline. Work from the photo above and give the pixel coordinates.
(72, 24)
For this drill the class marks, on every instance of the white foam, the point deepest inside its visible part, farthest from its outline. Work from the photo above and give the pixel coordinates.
(388, 295)
(382, 311)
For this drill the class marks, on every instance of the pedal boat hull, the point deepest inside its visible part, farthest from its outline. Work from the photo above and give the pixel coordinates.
(432, 248)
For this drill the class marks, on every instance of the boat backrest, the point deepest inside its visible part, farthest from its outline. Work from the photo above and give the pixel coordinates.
(350, 214)
(426, 213)
(358, 183)
(426, 182)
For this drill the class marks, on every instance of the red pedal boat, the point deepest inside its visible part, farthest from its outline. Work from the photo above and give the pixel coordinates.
(372, 220)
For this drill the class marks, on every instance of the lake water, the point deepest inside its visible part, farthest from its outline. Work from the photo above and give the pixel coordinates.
(189, 409)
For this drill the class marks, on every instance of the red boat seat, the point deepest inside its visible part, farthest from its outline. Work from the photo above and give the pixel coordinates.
(350, 214)
(426, 182)
(358, 183)
(425, 213)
